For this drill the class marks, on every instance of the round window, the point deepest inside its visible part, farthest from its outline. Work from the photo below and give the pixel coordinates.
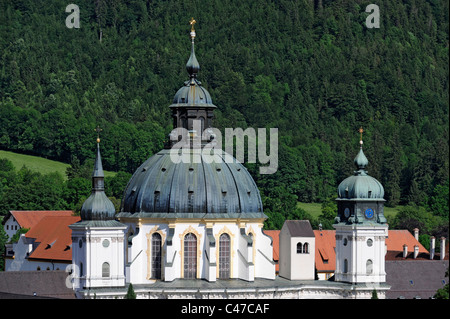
(345, 241)
(105, 243)
(369, 242)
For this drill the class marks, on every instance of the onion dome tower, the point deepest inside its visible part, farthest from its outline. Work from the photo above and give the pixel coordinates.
(98, 239)
(192, 101)
(360, 226)
(164, 188)
(212, 207)
(360, 196)
(98, 206)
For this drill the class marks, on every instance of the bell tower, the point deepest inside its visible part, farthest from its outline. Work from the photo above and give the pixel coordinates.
(98, 239)
(361, 227)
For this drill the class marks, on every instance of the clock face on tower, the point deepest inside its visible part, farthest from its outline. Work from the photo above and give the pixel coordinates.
(347, 212)
(368, 213)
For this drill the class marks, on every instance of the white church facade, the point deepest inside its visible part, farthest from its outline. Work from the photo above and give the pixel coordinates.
(194, 230)
(198, 249)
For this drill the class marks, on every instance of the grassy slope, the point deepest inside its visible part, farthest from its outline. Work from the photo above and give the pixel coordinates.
(39, 164)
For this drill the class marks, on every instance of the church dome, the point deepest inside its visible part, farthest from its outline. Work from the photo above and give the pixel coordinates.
(192, 94)
(162, 188)
(360, 185)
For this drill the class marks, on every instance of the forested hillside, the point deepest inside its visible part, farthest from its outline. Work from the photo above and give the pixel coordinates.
(310, 68)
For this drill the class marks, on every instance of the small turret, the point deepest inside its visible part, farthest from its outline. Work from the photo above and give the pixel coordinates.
(98, 206)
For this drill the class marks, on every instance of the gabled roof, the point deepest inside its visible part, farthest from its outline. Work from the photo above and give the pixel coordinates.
(299, 228)
(29, 218)
(54, 238)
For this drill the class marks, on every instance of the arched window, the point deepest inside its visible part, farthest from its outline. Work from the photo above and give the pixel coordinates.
(306, 248)
(105, 270)
(299, 248)
(156, 256)
(369, 267)
(224, 256)
(190, 256)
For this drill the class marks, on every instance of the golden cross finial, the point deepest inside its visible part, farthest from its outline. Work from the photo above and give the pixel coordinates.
(98, 130)
(360, 132)
(192, 22)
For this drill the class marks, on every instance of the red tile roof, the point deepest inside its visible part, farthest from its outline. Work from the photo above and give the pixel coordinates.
(397, 238)
(275, 234)
(54, 238)
(325, 253)
(29, 218)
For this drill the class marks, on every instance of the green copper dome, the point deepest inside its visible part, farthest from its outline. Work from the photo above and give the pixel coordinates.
(166, 188)
(192, 94)
(162, 188)
(360, 185)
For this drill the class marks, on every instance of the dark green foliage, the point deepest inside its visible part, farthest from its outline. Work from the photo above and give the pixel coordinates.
(3, 240)
(426, 221)
(15, 238)
(28, 190)
(310, 68)
(130, 292)
(443, 293)
(439, 201)
(374, 294)
(329, 213)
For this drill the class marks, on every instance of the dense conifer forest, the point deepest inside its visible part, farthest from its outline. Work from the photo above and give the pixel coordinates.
(310, 68)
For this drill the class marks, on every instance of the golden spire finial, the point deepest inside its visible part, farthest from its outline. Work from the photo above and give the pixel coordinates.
(98, 130)
(360, 132)
(192, 22)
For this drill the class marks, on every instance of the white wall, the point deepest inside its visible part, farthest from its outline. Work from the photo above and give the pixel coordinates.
(92, 254)
(295, 266)
(11, 227)
(357, 252)
(20, 262)
(246, 262)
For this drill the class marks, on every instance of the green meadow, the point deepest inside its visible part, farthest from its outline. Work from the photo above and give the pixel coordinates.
(39, 164)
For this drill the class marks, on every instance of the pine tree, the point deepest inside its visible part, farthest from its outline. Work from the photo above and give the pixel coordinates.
(374, 294)
(130, 293)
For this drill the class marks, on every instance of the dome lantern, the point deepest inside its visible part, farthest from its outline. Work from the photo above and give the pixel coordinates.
(192, 102)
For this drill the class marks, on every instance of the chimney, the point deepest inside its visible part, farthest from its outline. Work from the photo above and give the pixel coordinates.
(442, 248)
(416, 233)
(416, 251)
(405, 251)
(432, 243)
